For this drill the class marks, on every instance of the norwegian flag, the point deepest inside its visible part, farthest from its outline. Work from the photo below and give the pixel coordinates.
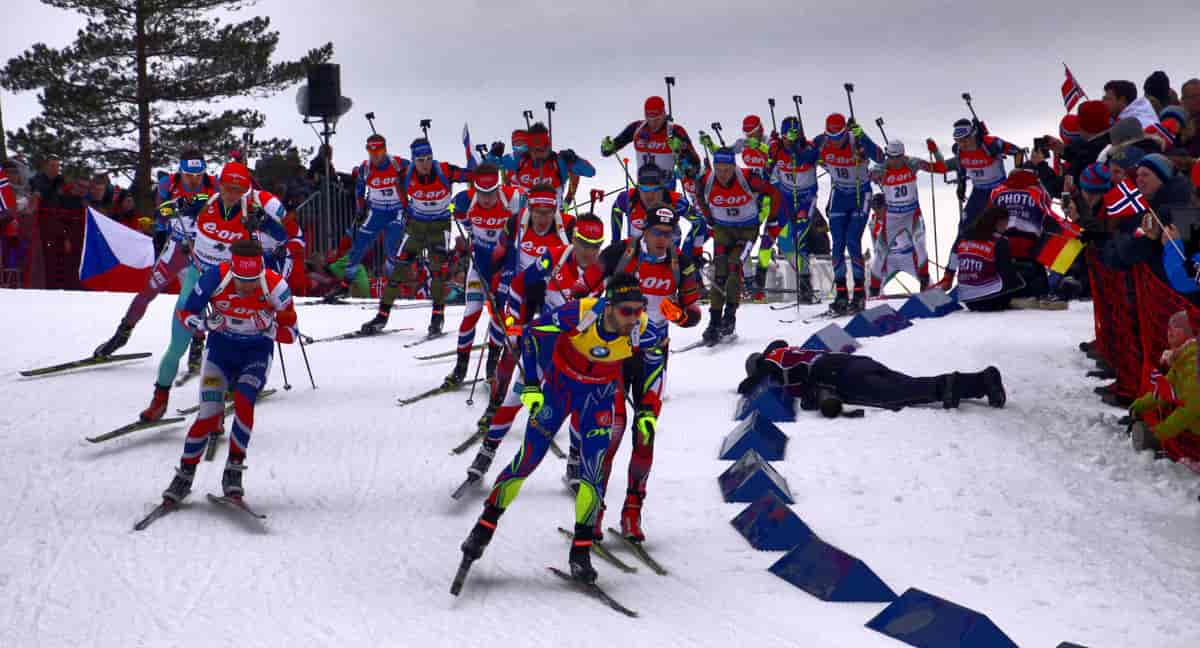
(1072, 92)
(1124, 200)
(8, 199)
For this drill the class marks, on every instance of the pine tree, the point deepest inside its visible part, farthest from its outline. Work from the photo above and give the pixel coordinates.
(137, 85)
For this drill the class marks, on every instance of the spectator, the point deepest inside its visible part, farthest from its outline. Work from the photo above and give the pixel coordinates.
(316, 167)
(1094, 125)
(1172, 406)
(1162, 187)
(48, 186)
(100, 194)
(124, 211)
(1122, 100)
(1028, 207)
(1158, 91)
(986, 277)
(1190, 99)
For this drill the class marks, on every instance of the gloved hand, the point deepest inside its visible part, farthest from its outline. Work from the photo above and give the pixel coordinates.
(764, 256)
(167, 210)
(754, 143)
(931, 145)
(706, 141)
(646, 423)
(568, 157)
(532, 399)
(675, 143)
(856, 130)
(286, 334)
(497, 150)
(192, 322)
(764, 212)
(607, 147)
(671, 310)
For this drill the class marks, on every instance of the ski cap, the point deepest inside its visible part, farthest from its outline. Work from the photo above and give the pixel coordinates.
(650, 175)
(235, 174)
(624, 287)
(1094, 117)
(247, 259)
(835, 123)
(724, 155)
(376, 142)
(963, 128)
(1068, 128)
(519, 138)
(662, 216)
(192, 165)
(1159, 165)
(486, 178)
(789, 124)
(895, 148)
(1126, 157)
(1096, 178)
(420, 148)
(655, 107)
(751, 123)
(543, 197)
(589, 229)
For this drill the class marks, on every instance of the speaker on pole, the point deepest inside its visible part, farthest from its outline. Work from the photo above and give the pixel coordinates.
(324, 90)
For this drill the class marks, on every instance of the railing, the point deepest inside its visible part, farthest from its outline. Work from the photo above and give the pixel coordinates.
(328, 215)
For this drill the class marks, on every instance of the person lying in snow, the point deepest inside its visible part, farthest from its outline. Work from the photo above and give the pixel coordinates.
(825, 380)
(1166, 417)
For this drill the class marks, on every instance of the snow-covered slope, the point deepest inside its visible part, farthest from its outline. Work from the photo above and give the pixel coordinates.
(1037, 515)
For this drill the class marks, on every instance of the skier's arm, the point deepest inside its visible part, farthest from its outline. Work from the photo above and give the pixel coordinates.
(869, 148)
(456, 174)
(459, 207)
(542, 333)
(625, 136)
(617, 216)
(1176, 269)
(686, 153)
(197, 301)
(572, 164)
(285, 313)
(651, 375)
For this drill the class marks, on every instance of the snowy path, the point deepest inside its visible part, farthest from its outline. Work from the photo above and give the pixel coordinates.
(1038, 515)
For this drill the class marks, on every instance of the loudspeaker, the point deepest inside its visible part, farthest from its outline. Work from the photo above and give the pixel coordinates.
(324, 89)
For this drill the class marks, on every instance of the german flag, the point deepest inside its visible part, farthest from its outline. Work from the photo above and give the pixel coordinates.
(1058, 250)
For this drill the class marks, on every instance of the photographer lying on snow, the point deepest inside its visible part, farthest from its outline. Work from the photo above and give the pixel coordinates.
(825, 380)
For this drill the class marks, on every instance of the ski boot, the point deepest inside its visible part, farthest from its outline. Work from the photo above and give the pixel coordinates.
(195, 355)
(158, 405)
(859, 301)
(337, 294)
(806, 291)
(459, 374)
(995, 387)
(493, 359)
(436, 320)
(1142, 437)
(631, 517)
(760, 285)
(949, 391)
(231, 479)
(115, 342)
(376, 324)
(841, 303)
(481, 534)
(712, 334)
(181, 485)
(729, 321)
(483, 460)
(580, 558)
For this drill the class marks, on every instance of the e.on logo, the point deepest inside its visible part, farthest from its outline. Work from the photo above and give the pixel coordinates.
(213, 231)
(729, 201)
(656, 284)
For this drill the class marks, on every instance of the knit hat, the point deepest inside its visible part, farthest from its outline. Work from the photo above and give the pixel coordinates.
(589, 229)
(1096, 178)
(518, 138)
(192, 165)
(751, 123)
(486, 177)
(788, 125)
(1127, 157)
(543, 197)
(1168, 131)
(1068, 128)
(420, 148)
(662, 216)
(724, 155)
(1159, 165)
(655, 107)
(247, 259)
(650, 175)
(235, 174)
(1094, 117)
(895, 148)
(623, 287)
(1126, 130)
(1176, 113)
(376, 142)
(964, 128)
(835, 123)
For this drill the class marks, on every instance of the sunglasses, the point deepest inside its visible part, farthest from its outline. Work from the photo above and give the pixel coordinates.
(644, 188)
(631, 311)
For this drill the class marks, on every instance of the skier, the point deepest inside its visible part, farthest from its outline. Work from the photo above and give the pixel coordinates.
(794, 174)
(573, 358)
(672, 297)
(485, 209)
(541, 164)
(235, 214)
(428, 192)
(751, 146)
(520, 146)
(251, 310)
(286, 256)
(652, 192)
(846, 151)
(900, 241)
(826, 380)
(577, 273)
(378, 185)
(182, 195)
(657, 140)
(978, 157)
(728, 199)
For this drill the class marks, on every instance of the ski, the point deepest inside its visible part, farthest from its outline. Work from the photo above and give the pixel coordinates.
(235, 503)
(694, 345)
(471, 441)
(427, 338)
(595, 591)
(441, 389)
(186, 376)
(470, 481)
(639, 551)
(94, 361)
(214, 439)
(827, 315)
(435, 356)
(599, 549)
(557, 450)
(167, 506)
(353, 335)
(702, 344)
(134, 427)
(228, 404)
(460, 576)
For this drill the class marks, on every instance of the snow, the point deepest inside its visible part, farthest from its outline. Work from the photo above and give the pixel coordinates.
(1038, 515)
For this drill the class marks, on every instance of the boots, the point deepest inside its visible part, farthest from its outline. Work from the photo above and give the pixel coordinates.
(995, 387)
(481, 534)
(115, 342)
(376, 323)
(436, 320)
(342, 291)
(949, 391)
(712, 334)
(1142, 437)
(806, 291)
(158, 405)
(841, 303)
(631, 517)
(231, 479)
(181, 485)
(493, 359)
(859, 301)
(483, 460)
(580, 558)
(760, 285)
(485, 421)
(457, 376)
(195, 355)
(729, 321)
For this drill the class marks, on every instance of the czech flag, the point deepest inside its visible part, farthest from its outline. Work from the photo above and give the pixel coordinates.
(115, 257)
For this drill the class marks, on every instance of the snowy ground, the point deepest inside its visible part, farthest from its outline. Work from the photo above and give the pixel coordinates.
(1038, 515)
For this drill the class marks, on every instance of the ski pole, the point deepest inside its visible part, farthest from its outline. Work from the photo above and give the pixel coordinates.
(528, 115)
(425, 124)
(879, 124)
(550, 106)
(933, 197)
(716, 126)
(306, 365)
(771, 103)
(371, 120)
(796, 101)
(478, 366)
(670, 111)
(966, 96)
(849, 87)
(287, 386)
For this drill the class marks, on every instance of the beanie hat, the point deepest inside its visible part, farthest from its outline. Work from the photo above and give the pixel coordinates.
(623, 287)
(589, 229)
(1159, 165)
(1157, 85)
(655, 107)
(246, 259)
(235, 174)
(751, 123)
(724, 155)
(1176, 113)
(376, 142)
(518, 138)
(1126, 130)
(835, 123)
(486, 178)
(788, 125)
(1096, 178)
(192, 165)
(662, 216)
(1068, 128)
(895, 148)
(420, 148)
(1094, 117)
(1126, 157)
(650, 175)
(964, 128)
(543, 197)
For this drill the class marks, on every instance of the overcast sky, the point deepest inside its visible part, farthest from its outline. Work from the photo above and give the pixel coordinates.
(485, 62)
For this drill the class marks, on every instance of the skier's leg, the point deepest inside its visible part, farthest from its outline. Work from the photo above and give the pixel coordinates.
(364, 236)
(180, 335)
(472, 310)
(538, 433)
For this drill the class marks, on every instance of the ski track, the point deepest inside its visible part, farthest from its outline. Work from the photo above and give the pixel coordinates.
(1038, 515)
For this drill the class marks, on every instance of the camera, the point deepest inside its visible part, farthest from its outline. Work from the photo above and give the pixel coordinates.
(1042, 144)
